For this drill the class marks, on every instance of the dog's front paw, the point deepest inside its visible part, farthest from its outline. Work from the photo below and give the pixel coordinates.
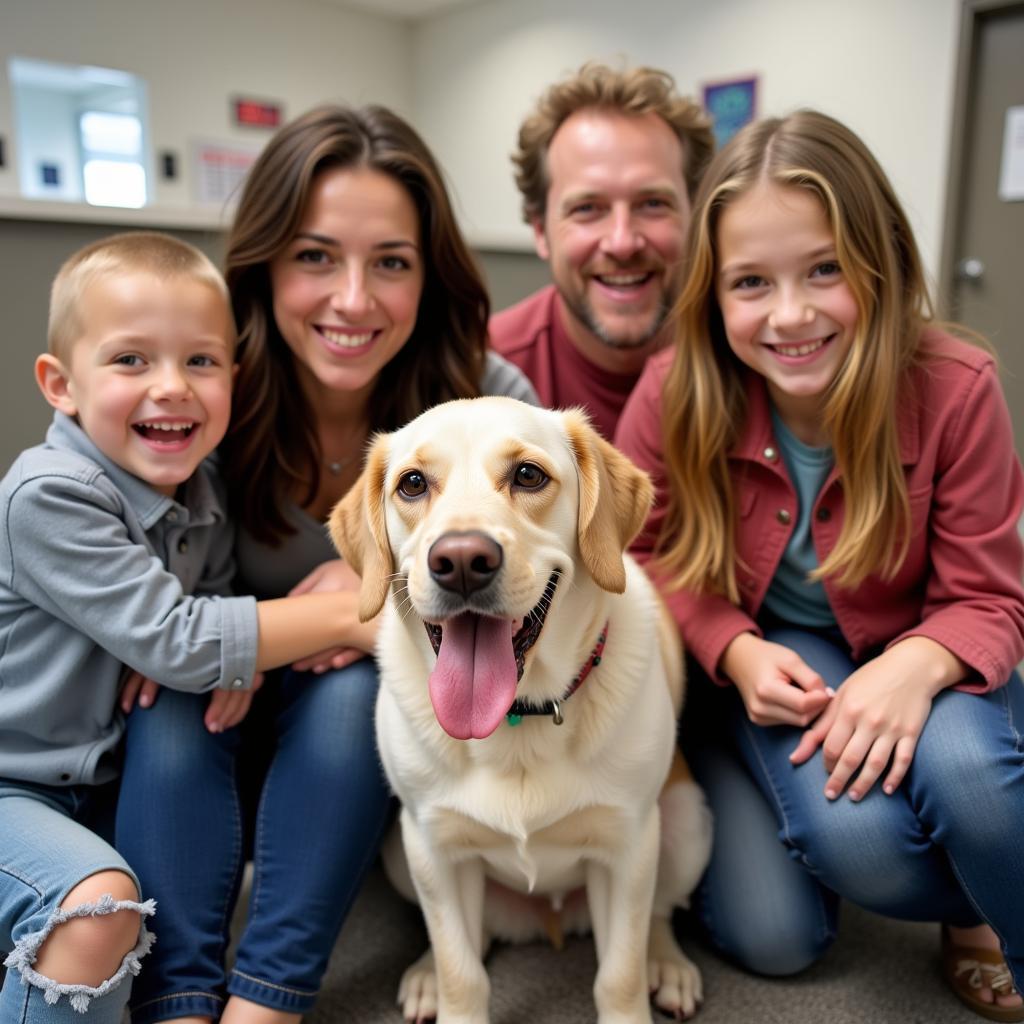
(417, 993)
(674, 979)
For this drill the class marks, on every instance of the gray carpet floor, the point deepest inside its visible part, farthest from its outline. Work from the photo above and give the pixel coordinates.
(879, 971)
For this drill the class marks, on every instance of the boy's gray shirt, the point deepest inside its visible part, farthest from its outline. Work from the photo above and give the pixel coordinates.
(96, 569)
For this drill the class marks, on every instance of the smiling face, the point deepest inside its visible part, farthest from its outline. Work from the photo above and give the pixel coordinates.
(788, 310)
(149, 377)
(616, 216)
(347, 287)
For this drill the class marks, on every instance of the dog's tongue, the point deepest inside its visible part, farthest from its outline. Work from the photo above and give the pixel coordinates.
(474, 681)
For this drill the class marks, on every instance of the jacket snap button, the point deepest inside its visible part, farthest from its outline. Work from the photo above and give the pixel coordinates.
(824, 514)
(771, 454)
(783, 516)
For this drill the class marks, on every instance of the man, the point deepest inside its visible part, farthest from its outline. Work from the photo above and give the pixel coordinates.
(607, 165)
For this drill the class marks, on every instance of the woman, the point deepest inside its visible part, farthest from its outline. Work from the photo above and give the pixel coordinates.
(358, 306)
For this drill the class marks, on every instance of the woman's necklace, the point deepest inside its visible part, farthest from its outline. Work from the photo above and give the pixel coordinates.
(337, 466)
(349, 440)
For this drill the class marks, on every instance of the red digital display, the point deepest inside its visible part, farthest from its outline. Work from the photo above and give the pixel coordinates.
(257, 113)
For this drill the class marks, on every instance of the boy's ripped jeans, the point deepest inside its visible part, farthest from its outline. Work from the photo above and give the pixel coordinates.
(45, 853)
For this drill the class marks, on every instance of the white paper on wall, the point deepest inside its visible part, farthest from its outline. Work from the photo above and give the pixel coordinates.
(220, 169)
(1011, 175)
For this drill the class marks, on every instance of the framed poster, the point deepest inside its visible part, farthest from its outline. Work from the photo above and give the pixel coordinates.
(731, 105)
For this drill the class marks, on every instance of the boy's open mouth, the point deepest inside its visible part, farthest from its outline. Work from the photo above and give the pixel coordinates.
(164, 433)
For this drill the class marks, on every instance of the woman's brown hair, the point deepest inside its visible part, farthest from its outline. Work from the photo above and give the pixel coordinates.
(272, 451)
(704, 398)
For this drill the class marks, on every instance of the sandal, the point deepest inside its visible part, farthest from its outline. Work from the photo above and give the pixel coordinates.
(969, 969)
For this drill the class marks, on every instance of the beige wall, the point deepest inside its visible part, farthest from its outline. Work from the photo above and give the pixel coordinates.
(465, 78)
(886, 68)
(196, 55)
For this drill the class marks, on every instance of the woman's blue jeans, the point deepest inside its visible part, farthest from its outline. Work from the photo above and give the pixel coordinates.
(322, 807)
(946, 846)
(48, 844)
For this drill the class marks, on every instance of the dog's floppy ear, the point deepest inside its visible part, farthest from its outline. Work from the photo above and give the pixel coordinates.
(615, 497)
(359, 531)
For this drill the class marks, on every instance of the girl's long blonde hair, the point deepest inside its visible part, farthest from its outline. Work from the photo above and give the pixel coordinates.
(704, 402)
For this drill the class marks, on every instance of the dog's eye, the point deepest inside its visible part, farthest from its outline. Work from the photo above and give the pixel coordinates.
(412, 484)
(529, 477)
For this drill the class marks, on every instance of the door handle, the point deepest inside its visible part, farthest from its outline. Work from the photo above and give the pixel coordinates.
(970, 269)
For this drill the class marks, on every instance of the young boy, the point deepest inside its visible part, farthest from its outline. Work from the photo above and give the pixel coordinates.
(114, 549)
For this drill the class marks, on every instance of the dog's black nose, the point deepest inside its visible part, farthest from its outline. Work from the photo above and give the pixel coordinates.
(464, 561)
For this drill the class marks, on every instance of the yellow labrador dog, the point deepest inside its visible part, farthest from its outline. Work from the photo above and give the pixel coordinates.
(530, 684)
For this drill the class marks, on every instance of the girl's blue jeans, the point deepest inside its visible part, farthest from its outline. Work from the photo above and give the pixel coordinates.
(47, 846)
(181, 823)
(946, 846)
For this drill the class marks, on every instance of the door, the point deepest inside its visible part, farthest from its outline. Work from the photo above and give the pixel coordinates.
(984, 266)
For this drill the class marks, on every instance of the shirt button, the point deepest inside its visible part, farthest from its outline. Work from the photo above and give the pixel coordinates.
(182, 545)
(783, 516)
(173, 515)
(823, 514)
(771, 454)
(237, 684)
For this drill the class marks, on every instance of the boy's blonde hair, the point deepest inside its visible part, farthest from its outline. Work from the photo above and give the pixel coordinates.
(148, 251)
(630, 93)
(704, 400)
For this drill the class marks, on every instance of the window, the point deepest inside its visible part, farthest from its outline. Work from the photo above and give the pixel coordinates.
(81, 133)
(112, 171)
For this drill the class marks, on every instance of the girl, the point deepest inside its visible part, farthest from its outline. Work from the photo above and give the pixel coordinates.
(358, 306)
(839, 542)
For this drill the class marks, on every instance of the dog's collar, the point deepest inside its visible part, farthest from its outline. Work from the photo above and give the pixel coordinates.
(553, 707)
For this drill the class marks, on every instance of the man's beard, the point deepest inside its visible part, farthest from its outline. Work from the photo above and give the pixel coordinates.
(582, 310)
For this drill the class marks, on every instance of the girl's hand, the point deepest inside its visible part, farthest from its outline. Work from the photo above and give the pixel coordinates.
(228, 707)
(877, 716)
(336, 574)
(137, 689)
(777, 686)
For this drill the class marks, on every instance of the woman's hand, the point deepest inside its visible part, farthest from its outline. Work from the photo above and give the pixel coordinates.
(777, 686)
(877, 716)
(137, 689)
(332, 658)
(337, 575)
(226, 709)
